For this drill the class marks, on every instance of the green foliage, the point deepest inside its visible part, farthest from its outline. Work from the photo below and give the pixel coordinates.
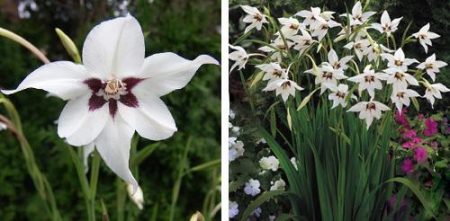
(186, 28)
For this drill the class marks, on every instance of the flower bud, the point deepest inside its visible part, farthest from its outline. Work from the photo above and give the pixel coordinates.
(68, 44)
(198, 216)
(137, 197)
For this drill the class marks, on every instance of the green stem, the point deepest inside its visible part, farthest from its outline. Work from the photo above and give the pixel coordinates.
(93, 183)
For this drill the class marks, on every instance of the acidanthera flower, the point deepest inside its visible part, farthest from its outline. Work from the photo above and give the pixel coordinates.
(115, 92)
(425, 36)
(338, 95)
(272, 71)
(269, 163)
(254, 17)
(434, 91)
(326, 76)
(359, 47)
(303, 41)
(400, 79)
(398, 60)
(240, 57)
(387, 26)
(290, 26)
(432, 66)
(252, 187)
(311, 17)
(402, 97)
(277, 46)
(358, 17)
(369, 110)
(337, 64)
(321, 29)
(283, 86)
(368, 80)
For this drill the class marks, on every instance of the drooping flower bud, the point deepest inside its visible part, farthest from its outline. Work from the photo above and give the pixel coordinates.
(137, 197)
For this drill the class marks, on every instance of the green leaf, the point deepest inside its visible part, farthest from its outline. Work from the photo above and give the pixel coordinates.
(264, 197)
(306, 99)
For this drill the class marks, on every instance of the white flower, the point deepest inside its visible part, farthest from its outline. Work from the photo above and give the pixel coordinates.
(338, 95)
(400, 79)
(302, 42)
(233, 209)
(236, 150)
(359, 47)
(369, 110)
(3, 126)
(136, 196)
(358, 17)
(261, 141)
(273, 71)
(434, 91)
(425, 36)
(252, 187)
(290, 26)
(283, 87)
(368, 80)
(398, 60)
(87, 150)
(432, 66)
(401, 97)
(269, 163)
(337, 64)
(387, 26)
(254, 17)
(232, 114)
(278, 185)
(257, 212)
(327, 76)
(115, 92)
(240, 57)
(294, 162)
(276, 47)
(311, 17)
(321, 29)
(272, 218)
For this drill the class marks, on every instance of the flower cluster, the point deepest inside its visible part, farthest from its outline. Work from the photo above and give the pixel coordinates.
(388, 78)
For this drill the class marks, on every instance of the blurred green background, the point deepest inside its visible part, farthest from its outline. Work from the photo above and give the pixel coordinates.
(188, 28)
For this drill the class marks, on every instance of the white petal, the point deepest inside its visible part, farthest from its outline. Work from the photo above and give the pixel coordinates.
(115, 48)
(166, 72)
(62, 78)
(113, 145)
(152, 119)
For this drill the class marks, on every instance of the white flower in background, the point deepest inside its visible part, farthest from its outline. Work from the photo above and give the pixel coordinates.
(358, 17)
(387, 26)
(276, 47)
(432, 66)
(235, 130)
(236, 149)
(115, 92)
(368, 80)
(240, 57)
(136, 196)
(278, 185)
(369, 110)
(231, 141)
(269, 163)
(402, 97)
(398, 60)
(311, 17)
(434, 91)
(400, 79)
(3, 126)
(257, 212)
(254, 17)
(337, 64)
(25, 6)
(425, 36)
(338, 95)
(374, 50)
(321, 29)
(283, 87)
(261, 141)
(359, 47)
(232, 114)
(252, 187)
(294, 162)
(327, 76)
(272, 218)
(272, 71)
(302, 42)
(290, 26)
(233, 209)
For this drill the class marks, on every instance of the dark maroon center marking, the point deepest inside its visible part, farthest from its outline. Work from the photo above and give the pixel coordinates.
(97, 100)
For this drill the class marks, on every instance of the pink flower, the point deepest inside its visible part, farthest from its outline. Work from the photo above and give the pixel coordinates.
(430, 127)
(420, 154)
(420, 117)
(409, 134)
(400, 118)
(416, 140)
(407, 165)
(408, 145)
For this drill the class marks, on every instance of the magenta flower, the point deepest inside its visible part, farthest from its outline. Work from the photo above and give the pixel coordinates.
(408, 145)
(400, 118)
(420, 154)
(430, 127)
(407, 165)
(410, 134)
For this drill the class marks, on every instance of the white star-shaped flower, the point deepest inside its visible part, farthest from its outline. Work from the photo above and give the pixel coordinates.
(277, 47)
(399, 79)
(254, 17)
(359, 47)
(240, 57)
(387, 26)
(252, 187)
(115, 92)
(290, 26)
(425, 36)
(368, 80)
(302, 42)
(283, 87)
(358, 17)
(311, 17)
(432, 66)
(338, 95)
(326, 76)
(398, 60)
(402, 97)
(337, 64)
(321, 29)
(434, 91)
(369, 110)
(272, 71)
